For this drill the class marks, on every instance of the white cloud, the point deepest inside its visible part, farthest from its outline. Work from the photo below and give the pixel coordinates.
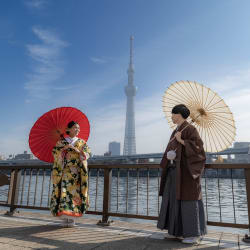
(239, 103)
(47, 63)
(68, 87)
(239, 79)
(35, 4)
(235, 90)
(90, 91)
(98, 60)
(49, 37)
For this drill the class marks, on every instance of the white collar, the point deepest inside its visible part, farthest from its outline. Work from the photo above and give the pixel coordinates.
(71, 140)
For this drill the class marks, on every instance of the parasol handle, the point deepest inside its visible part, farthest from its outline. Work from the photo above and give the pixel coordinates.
(61, 135)
(177, 131)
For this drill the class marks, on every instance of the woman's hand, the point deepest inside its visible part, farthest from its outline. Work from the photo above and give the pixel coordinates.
(66, 147)
(178, 138)
(83, 155)
(75, 149)
(71, 147)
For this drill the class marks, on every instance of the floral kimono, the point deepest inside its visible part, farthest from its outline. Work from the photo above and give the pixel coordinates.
(70, 179)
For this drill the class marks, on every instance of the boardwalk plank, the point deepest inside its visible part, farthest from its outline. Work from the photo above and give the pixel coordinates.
(31, 231)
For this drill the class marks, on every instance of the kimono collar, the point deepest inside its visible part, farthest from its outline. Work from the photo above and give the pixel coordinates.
(71, 140)
(182, 126)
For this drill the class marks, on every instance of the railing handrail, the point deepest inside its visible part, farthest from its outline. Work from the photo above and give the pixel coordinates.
(127, 166)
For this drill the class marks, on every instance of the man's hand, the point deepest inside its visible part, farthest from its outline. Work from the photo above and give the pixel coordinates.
(178, 138)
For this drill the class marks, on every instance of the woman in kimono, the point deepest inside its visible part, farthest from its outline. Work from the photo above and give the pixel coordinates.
(182, 210)
(69, 197)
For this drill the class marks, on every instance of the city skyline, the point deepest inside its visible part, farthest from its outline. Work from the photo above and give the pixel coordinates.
(239, 153)
(58, 53)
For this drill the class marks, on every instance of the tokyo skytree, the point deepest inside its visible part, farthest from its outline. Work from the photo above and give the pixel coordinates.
(130, 90)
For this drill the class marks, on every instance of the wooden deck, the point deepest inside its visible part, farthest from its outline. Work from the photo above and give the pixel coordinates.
(40, 231)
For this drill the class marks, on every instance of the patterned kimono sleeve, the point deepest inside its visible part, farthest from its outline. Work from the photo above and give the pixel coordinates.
(86, 150)
(56, 177)
(56, 151)
(58, 162)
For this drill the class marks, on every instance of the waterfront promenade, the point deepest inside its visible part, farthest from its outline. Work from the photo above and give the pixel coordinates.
(124, 195)
(26, 230)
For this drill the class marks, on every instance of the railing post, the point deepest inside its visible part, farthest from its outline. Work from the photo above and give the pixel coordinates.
(106, 197)
(247, 175)
(13, 190)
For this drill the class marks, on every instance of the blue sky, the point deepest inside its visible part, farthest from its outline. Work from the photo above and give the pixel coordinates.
(76, 53)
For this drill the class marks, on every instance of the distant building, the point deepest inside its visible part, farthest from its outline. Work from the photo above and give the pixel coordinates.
(107, 153)
(244, 158)
(219, 159)
(24, 156)
(241, 144)
(115, 148)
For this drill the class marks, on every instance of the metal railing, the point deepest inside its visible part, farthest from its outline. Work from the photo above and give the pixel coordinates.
(132, 191)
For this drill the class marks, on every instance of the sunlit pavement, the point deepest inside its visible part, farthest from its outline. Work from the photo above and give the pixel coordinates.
(40, 231)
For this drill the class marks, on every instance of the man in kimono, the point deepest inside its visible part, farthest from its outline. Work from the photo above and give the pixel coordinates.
(182, 211)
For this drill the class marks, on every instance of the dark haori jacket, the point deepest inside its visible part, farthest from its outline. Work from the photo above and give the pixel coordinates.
(190, 163)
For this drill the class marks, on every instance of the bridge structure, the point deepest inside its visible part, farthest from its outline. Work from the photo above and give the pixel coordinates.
(136, 157)
(154, 156)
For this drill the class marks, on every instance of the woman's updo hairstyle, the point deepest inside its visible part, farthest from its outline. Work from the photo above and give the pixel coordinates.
(182, 110)
(70, 125)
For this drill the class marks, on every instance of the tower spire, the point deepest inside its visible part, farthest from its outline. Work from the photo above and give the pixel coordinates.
(130, 70)
(131, 53)
(130, 90)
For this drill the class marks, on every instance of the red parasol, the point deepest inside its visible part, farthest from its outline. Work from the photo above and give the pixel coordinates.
(50, 128)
